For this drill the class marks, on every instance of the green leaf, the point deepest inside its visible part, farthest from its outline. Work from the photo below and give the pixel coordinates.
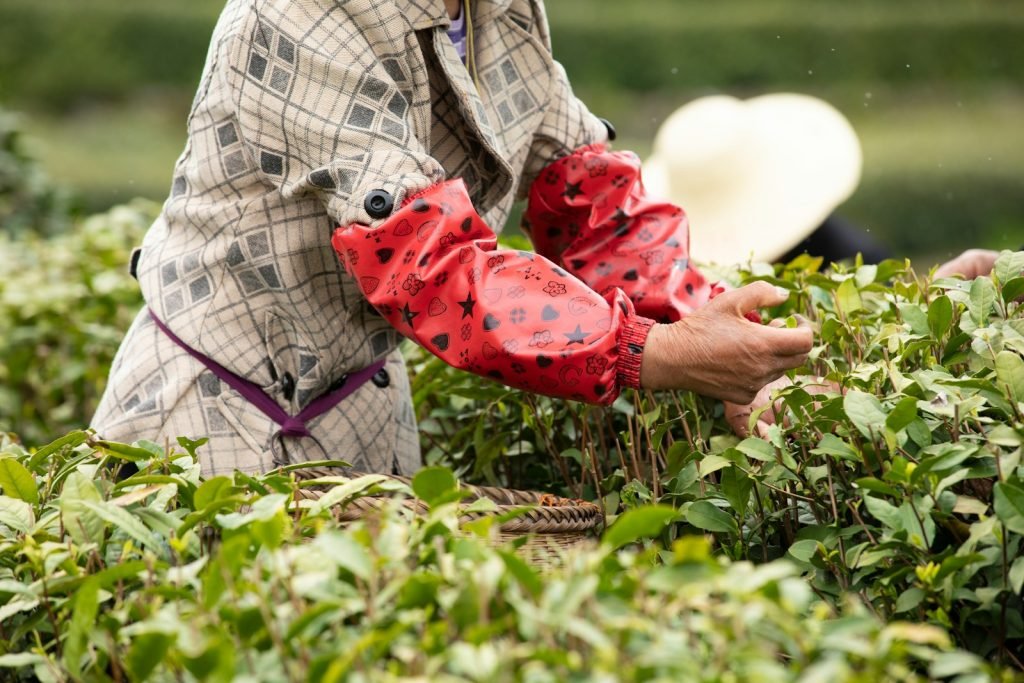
(124, 451)
(848, 297)
(832, 445)
(20, 660)
(757, 449)
(124, 521)
(909, 599)
(83, 525)
(903, 413)
(712, 463)
(804, 550)
(1008, 266)
(1013, 290)
(914, 316)
(212, 490)
(641, 522)
(17, 482)
(1017, 576)
(865, 412)
(346, 553)
(347, 491)
(1009, 505)
(71, 440)
(16, 514)
(886, 513)
(146, 653)
(940, 315)
(83, 618)
(264, 509)
(433, 483)
(736, 487)
(705, 515)
(983, 297)
(1010, 372)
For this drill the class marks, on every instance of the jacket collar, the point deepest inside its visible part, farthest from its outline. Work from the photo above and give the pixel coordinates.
(424, 14)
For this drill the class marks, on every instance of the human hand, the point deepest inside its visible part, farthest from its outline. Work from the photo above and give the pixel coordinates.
(738, 416)
(969, 265)
(715, 351)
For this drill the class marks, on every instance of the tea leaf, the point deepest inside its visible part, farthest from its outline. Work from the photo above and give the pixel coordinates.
(16, 514)
(641, 522)
(940, 315)
(1009, 505)
(983, 297)
(865, 412)
(1009, 371)
(705, 515)
(16, 481)
(434, 483)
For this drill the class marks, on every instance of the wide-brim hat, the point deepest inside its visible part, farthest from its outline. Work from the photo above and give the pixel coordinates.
(756, 176)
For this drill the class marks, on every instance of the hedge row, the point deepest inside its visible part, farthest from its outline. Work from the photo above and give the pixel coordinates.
(54, 54)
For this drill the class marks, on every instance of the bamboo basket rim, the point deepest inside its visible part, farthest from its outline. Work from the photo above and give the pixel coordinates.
(548, 513)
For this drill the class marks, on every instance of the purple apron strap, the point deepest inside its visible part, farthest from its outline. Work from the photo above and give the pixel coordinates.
(250, 391)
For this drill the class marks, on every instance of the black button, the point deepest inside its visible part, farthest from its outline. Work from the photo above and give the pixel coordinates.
(288, 386)
(379, 203)
(611, 129)
(338, 384)
(382, 379)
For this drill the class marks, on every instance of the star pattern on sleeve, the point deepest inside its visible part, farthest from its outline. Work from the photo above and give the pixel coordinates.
(512, 316)
(590, 213)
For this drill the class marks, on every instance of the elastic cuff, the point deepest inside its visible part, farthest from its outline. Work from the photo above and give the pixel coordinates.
(631, 350)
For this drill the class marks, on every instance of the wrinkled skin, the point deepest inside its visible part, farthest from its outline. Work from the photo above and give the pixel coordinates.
(717, 352)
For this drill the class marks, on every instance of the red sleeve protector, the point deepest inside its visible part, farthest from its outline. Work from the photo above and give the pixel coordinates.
(590, 213)
(433, 270)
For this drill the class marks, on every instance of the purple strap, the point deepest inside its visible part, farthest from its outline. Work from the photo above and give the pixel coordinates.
(291, 425)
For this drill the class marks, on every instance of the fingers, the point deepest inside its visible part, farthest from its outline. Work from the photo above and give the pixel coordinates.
(787, 341)
(751, 297)
(969, 265)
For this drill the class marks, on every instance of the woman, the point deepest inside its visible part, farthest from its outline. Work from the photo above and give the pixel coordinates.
(358, 125)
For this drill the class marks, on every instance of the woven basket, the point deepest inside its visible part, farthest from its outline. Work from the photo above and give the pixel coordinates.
(552, 525)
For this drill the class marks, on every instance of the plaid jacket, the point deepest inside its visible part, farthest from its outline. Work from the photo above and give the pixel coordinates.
(302, 110)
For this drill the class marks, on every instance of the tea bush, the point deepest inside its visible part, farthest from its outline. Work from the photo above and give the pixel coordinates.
(65, 303)
(160, 575)
(902, 485)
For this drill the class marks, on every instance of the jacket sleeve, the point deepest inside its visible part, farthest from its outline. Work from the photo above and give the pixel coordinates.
(343, 129)
(320, 114)
(590, 213)
(434, 271)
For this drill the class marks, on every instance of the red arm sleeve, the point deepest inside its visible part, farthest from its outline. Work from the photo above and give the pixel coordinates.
(433, 270)
(590, 213)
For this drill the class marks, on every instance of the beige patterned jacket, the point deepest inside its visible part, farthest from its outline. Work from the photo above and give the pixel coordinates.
(304, 107)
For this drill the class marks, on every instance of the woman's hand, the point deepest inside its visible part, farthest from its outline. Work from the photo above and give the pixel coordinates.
(969, 265)
(717, 352)
(738, 416)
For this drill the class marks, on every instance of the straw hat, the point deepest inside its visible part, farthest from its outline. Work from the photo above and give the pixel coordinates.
(756, 177)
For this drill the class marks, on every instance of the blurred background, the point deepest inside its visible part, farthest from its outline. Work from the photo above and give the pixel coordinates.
(934, 88)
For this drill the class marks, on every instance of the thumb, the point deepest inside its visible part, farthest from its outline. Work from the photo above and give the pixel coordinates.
(751, 297)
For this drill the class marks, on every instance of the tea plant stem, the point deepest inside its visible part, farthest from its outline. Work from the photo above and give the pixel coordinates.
(860, 520)
(835, 507)
(115, 663)
(761, 520)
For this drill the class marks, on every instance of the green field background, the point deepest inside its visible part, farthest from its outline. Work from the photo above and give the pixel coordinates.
(934, 88)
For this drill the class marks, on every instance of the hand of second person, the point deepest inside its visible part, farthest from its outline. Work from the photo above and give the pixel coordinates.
(715, 351)
(969, 265)
(738, 416)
